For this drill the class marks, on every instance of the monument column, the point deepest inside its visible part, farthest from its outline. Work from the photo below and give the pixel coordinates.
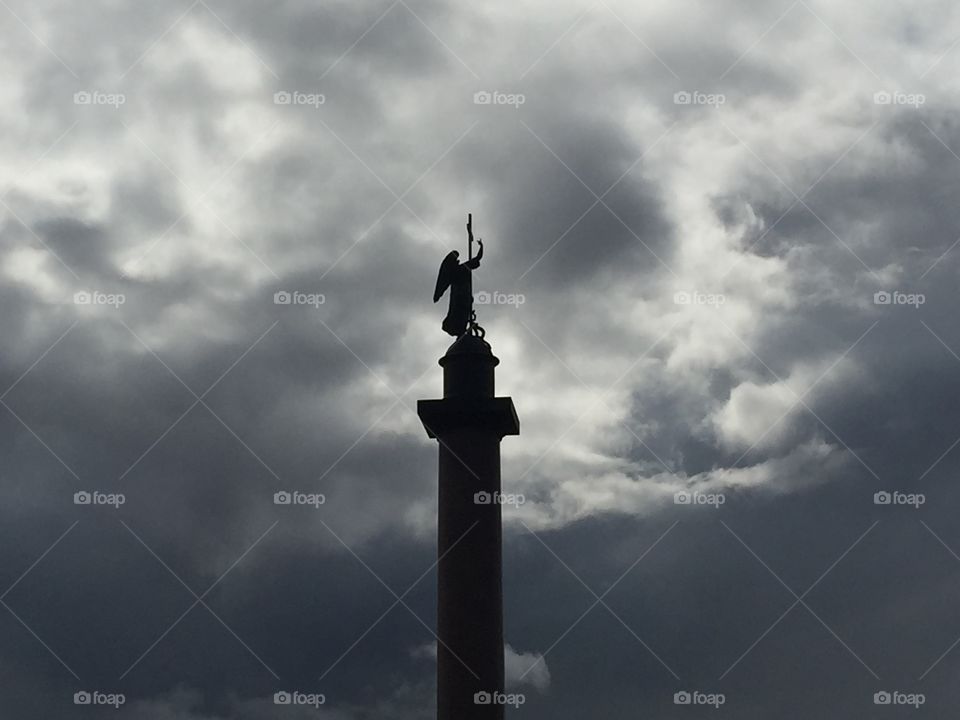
(469, 423)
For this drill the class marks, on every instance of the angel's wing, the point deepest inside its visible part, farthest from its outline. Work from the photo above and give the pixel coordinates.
(446, 274)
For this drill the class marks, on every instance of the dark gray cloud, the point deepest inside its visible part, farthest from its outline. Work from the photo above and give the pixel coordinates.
(698, 328)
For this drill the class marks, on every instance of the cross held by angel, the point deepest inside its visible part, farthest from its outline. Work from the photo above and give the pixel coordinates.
(458, 276)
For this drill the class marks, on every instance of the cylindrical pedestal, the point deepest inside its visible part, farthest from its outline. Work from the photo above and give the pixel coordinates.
(469, 424)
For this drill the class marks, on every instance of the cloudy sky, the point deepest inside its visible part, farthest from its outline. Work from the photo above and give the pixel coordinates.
(721, 279)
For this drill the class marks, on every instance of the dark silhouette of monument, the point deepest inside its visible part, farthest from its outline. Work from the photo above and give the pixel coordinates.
(459, 278)
(469, 422)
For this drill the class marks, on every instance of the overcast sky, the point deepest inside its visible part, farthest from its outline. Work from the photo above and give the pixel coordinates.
(720, 262)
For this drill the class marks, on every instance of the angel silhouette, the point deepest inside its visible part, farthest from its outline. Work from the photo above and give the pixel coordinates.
(458, 277)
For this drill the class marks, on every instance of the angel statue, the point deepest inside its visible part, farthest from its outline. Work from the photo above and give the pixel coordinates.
(458, 276)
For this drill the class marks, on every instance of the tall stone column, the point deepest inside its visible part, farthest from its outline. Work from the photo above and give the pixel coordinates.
(469, 423)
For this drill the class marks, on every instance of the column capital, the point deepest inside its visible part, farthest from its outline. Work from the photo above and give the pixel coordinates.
(497, 415)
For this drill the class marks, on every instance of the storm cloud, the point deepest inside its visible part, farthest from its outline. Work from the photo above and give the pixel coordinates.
(720, 275)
